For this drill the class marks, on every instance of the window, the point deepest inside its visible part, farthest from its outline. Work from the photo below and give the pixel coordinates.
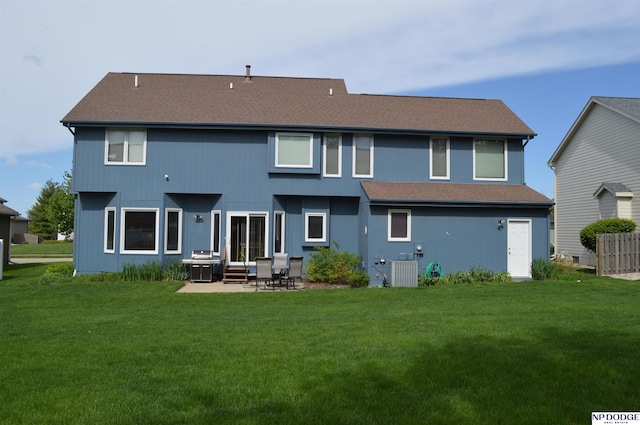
(278, 232)
(332, 148)
(439, 158)
(248, 236)
(173, 231)
(139, 231)
(109, 230)
(362, 155)
(215, 232)
(399, 225)
(490, 159)
(315, 227)
(126, 147)
(294, 150)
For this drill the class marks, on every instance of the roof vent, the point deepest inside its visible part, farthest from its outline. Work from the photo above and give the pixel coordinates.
(247, 76)
(135, 82)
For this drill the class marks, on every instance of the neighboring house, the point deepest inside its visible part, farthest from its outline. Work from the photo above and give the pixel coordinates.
(597, 171)
(19, 229)
(250, 166)
(6, 214)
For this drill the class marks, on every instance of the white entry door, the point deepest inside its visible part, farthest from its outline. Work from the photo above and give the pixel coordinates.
(519, 248)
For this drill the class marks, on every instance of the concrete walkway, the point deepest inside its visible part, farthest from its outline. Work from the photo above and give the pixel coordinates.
(28, 260)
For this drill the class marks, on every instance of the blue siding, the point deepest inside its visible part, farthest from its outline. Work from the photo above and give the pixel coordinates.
(203, 170)
(458, 238)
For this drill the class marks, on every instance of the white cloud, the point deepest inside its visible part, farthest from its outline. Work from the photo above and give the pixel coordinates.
(38, 164)
(11, 160)
(35, 186)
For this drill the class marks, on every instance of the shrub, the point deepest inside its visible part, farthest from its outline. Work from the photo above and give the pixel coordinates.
(474, 275)
(607, 225)
(57, 273)
(175, 270)
(151, 271)
(542, 269)
(329, 265)
(358, 279)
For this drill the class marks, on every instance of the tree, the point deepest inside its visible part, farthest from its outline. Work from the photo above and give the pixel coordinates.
(41, 225)
(61, 207)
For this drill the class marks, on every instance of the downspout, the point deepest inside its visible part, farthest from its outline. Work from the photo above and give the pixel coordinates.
(525, 143)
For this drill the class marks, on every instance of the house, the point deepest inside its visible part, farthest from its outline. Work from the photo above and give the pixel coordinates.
(250, 166)
(597, 171)
(6, 214)
(20, 230)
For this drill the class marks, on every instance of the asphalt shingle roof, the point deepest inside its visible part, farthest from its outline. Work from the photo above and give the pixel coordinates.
(453, 193)
(225, 100)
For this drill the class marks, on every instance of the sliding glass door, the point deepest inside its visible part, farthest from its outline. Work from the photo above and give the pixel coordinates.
(247, 236)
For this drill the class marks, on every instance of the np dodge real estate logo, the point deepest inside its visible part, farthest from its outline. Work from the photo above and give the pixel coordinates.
(615, 418)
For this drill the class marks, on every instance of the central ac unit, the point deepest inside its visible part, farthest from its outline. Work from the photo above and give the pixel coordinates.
(404, 273)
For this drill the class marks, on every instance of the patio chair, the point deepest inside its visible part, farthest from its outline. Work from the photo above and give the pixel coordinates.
(295, 271)
(280, 266)
(263, 272)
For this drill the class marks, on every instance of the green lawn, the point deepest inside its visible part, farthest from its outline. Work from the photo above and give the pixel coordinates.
(138, 353)
(49, 249)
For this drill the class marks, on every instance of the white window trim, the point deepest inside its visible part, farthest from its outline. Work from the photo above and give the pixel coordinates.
(448, 159)
(166, 233)
(277, 147)
(393, 239)
(371, 148)
(125, 153)
(123, 212)
(106, 229)
(282, 234)
(324, 155)
(506, 161)
(216, 249)
(246, 214)
(306, 226)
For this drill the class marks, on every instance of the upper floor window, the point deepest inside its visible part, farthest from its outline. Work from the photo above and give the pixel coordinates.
(362, 155)
(439, 150)
(399, 225)
(294, 150)
(332, 148)
(489, 159)
(126, 147)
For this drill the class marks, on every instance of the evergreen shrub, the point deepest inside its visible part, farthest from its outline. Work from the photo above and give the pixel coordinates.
(607, 225)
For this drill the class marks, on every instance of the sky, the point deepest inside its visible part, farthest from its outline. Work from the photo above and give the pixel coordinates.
(544, 59)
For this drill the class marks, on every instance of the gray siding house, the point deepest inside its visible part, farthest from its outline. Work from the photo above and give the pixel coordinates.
(250, 166)
(6, 215)
(597, 171)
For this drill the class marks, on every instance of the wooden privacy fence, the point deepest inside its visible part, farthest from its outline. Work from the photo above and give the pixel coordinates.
(618, 253)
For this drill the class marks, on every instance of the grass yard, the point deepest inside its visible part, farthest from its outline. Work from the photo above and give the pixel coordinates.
(138, 353)
(61, 249)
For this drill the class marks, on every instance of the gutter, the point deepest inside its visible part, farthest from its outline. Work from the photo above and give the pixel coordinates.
(296, 127)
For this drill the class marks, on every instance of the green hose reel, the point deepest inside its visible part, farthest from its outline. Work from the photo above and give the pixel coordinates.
(434, 269)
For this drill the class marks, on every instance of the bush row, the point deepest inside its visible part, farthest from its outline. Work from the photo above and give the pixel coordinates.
(152, 271)
(474, 275)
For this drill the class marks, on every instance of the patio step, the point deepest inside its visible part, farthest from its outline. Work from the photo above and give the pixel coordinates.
(235, 275)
